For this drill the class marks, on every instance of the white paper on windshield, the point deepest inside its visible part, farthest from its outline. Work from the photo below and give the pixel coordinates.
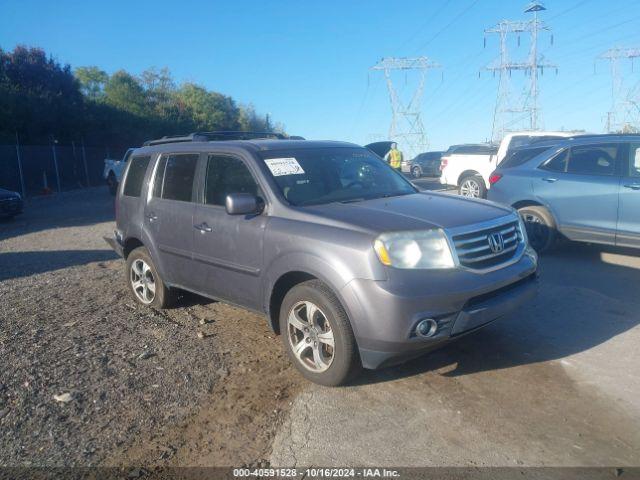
(284, 166)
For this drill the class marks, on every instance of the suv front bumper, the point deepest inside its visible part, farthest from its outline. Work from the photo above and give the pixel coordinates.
(385, 314)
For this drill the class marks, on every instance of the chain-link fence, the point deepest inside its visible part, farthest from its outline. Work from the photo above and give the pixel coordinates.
(40, 169)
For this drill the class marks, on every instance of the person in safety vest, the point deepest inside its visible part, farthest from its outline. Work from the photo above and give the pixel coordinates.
(394, 157)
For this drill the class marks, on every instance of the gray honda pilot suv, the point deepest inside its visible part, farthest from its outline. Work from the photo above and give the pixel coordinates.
(350, 263)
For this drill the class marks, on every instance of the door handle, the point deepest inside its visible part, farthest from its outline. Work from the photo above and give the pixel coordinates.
(549, 180)
(151, 217)
(633, 186)
(203, 227)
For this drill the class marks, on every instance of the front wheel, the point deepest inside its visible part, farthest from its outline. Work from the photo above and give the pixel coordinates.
(317, 334)
(416, 172)
(473, 187)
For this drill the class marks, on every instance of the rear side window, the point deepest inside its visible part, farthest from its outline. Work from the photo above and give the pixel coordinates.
(227, 175)
(585, 160)
(135, 176)
(175, 176)
(520, 157)
(557, 163)
(593, 159)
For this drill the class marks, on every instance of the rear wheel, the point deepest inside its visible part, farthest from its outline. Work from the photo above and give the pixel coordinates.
(144, 281)
(317, 334)
(416, 172)
(472, 186)
(541, 229)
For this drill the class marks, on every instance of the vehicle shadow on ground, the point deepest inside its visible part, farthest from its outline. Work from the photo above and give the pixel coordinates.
(584, 300)
(24, 264)
(69, 209)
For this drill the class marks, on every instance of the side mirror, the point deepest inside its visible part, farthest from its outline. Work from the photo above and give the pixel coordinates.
(243, 204)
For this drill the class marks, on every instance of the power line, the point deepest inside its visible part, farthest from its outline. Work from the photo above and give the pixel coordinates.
(424, 25)
(446, 27)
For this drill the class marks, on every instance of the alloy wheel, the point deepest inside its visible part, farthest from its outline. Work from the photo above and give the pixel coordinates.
(310, 336)
(143, 282)
(470, 188)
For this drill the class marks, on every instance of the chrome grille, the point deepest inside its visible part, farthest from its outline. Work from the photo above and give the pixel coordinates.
(474, 249)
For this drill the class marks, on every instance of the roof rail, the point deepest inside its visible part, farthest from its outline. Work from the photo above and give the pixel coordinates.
(218, 136)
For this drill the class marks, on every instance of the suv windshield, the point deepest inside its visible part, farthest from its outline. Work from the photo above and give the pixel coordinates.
(319, 176)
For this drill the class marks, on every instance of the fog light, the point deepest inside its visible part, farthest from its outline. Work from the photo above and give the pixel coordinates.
(427, 328)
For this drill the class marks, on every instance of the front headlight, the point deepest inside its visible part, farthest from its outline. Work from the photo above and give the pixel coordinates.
(414, 249)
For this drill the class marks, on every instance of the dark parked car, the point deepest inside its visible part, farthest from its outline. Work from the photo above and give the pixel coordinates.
(10, 203)
(585, 188)
(346, 258)
(425, 164)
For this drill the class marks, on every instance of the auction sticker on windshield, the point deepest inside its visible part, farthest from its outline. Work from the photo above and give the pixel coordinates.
(284, 166)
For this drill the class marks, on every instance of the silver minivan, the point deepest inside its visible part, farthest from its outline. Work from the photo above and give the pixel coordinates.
(585, 188)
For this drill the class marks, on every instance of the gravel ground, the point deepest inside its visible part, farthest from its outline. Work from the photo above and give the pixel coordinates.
(90, 378)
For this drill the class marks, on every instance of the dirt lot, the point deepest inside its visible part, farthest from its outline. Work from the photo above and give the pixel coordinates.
(142, 386)
(557, 383)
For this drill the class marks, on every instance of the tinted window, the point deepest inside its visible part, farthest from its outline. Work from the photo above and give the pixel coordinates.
(227, 175)
(634, 160)
(593, 159)
(557, 163)
(179, 173)
(472, 149)
(135, 176)
(520, 157)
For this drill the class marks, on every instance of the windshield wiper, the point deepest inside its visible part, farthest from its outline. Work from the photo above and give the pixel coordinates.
(353, 200)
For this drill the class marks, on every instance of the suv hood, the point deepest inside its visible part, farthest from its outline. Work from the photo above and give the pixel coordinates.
(409, 212)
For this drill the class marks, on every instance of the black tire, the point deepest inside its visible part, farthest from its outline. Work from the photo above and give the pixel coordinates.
(416, 172)
(472, 186)
(112, 183)
(345, 363)
(164, 296)
(541, 228)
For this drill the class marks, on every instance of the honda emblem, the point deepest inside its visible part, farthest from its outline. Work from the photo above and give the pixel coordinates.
(496, 242)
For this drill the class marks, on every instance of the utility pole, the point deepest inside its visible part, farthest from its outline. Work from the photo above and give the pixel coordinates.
(624, 113)
(506, 108)
(406, 127)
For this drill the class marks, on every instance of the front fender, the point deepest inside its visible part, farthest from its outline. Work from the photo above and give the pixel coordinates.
(312, 265)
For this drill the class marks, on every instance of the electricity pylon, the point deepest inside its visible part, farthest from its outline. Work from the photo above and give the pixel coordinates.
(406, 127)
(506, 107)
(624, 114)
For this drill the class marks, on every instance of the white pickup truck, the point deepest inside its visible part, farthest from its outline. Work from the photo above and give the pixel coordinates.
(468, 167)
(113, 171)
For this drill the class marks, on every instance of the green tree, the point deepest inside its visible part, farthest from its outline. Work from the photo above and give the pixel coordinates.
(92, 81)
(39, 97)
(208, 110)
(124, 92)
(159, 89)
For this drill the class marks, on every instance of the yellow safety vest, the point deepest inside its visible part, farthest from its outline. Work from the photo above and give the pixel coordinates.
(395, 158)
